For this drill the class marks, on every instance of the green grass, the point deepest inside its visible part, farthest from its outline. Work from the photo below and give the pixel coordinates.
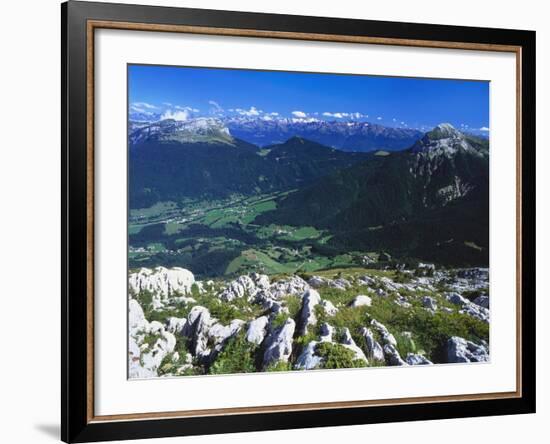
(253, 259)
(236, 357)
(294, 305)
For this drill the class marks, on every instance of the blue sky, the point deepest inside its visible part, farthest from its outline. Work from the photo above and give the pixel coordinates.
(181, 93)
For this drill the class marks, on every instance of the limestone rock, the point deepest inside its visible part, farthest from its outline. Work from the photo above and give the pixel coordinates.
(386, 336)
(416, 359)
(482, 301)
(476, 311)
(373, 350)
(136, 318)
(279, 344)
(361, 301)
(310, 299)
(317, 281)
(161, 282)
(308, 360)
(402, 301)
(326, 332)
(196, 329)
(294, 285)
(392, 355)
(348, 342)
(461, 350)
(429, 303)
(456, 299)
(257, 330)
(339, 284)
(239, 288)
(328, 307)
(175, 325)
(219, 334)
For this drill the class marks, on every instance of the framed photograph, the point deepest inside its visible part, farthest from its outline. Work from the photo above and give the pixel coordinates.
(276, 221)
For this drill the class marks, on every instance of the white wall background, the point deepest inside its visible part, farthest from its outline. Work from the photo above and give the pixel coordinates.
(30, 218)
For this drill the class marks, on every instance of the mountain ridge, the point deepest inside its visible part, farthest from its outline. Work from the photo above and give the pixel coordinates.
(375, 203)
(346, 136)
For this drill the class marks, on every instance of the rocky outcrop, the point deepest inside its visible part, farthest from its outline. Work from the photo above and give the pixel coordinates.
(175, 325)
(385, 335)
(416, 359)
(361, 301)
(403, 301)
(257, 330)
(339, 283)
(317, 281)
(145, 357)
(239, 288)
(279, 344)
(469, 308)
(162, 283)
(482, 301)
(429, 303)
(328, 307)
(191, 343)
(461, 350)
(456, 299)
(219, 334)
(392, 355)
(310, 300)
(258, 289)
(308, 360)
(348, 342)
(294, 285)
(374, 350)
(326, 332)
(196, 329)
(476, 311)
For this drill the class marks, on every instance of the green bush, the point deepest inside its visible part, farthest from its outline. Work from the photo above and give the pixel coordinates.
(279, 320)
(337, 356)
(279, 366)
(236, 357)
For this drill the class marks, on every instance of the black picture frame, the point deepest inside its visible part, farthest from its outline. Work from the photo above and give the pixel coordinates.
(76, 423)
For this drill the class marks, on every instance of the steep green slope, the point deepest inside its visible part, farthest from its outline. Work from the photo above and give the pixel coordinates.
(171, 169)
(430, 201)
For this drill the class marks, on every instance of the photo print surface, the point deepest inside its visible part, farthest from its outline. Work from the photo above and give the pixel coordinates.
(292, 221)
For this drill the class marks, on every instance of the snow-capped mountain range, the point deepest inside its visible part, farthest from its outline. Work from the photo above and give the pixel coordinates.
(346, 136)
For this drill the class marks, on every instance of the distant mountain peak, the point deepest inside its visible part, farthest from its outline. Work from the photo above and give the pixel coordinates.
(198, 130)
(444, 131)
(444, 139)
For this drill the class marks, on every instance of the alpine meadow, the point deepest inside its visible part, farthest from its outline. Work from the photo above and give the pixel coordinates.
(289, 221)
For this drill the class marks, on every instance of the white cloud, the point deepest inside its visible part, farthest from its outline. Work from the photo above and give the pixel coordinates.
(176, 115)
(167, 103)
(299, 114)
(138, 109)
(187, 108)
(379, 118)
(145, 105)
(484, 128)
(274, 114)
(216, 108)
(341, 115)
(252, 112)
(335, 115)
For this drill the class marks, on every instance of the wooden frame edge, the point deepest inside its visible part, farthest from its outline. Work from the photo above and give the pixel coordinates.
(96, 24)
